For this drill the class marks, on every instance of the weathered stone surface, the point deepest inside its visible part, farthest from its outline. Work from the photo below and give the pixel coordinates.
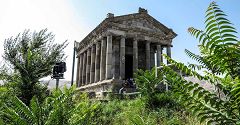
(159, 54)
(137, 23)
(147, 50)
(103, 59)
(135, 55)
(84, 68)
(152, 61)
(168, 53)
(92, 70)
(88, 66)
(122, 57)
(80, 70)
(97, 62)
(141, 55)
(109, 64)
(116, 59)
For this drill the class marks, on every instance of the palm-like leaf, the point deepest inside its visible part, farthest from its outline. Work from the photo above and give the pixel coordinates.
(59, 109)
(219, 53)
(207, 106)
(220, 41)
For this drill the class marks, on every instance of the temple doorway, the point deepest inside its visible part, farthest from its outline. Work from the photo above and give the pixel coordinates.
(128, 66)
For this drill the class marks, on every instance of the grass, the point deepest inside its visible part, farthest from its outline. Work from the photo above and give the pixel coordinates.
(129, 112)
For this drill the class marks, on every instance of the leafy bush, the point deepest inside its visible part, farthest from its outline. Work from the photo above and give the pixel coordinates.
(153, 91)
(167, 100)
(58, 109)
(220, 52)
(147, 83)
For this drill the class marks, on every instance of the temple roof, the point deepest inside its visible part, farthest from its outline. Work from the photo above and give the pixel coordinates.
(140, 23)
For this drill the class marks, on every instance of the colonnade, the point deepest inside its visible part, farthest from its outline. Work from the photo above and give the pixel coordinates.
(95, 63)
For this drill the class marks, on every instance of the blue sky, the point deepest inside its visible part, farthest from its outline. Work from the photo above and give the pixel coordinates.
(74, 19)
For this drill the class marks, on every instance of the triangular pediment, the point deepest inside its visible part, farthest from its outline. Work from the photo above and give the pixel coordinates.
(142, 22)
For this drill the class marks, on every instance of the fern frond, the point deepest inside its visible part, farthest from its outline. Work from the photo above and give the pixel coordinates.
(22, 110)
(207, 106)
(36, 109)
(197, 58)
(195, 66)
(236, 92)
(201, 35)
(217, 26)
(14, 116)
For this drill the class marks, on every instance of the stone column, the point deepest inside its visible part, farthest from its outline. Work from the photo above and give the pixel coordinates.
(92, 70)
(159, 54)
(147, 47)
(88, 66)
(109, 57)
(84, 68)
(122, 58)
(135, 55)
(78, 70)
(97, 62)
(103, 60)
(116, 58)
(168, 52)
(152, 58)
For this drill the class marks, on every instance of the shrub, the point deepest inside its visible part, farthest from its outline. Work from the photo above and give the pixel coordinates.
(57, 109)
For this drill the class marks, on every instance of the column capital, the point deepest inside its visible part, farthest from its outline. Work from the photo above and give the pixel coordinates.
(93, 45)
(98, 43)
(108, 33)
(89, 48)
(148, 41)
(123, 36)
(99, 38)
(136, 39)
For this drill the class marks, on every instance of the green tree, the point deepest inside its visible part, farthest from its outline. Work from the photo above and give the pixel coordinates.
(30, 56)
(219, 54)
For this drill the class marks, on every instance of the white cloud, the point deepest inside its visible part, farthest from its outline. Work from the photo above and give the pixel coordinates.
(56, 15)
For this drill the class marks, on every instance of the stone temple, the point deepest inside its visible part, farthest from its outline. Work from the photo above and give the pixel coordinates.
(117, 47)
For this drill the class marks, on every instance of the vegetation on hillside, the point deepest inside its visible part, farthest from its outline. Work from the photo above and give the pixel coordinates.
(69, 107)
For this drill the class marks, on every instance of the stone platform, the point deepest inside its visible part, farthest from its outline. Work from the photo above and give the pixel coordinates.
(111, 85)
